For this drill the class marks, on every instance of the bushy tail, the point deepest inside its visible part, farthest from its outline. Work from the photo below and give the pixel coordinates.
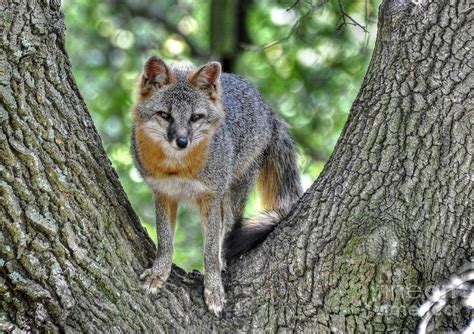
(279, 186)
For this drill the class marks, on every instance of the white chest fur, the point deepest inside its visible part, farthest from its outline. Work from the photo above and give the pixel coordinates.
(178, 188)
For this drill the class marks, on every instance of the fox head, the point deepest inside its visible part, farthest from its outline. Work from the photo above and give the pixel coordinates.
(178, 108)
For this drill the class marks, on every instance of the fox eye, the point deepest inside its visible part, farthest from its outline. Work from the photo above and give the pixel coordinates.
(167, 117)
(196, 117)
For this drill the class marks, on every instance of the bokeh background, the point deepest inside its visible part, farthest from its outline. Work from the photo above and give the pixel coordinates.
(307, 58)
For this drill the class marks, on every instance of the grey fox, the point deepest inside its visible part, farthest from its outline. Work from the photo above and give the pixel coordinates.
(204, 137)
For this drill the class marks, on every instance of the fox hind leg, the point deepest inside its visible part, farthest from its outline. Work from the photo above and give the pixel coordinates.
(240, 191)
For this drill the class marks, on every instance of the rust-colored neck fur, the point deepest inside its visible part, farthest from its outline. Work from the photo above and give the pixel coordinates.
(158, 164)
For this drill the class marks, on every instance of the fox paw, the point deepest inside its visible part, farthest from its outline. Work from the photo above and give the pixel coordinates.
(215, 299)
(153, 280)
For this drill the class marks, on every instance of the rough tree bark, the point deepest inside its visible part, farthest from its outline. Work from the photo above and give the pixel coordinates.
(389, 215)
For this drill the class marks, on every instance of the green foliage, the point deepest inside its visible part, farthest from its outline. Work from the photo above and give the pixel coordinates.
(305, 67)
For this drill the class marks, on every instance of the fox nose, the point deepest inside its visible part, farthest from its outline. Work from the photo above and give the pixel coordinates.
(182, 142)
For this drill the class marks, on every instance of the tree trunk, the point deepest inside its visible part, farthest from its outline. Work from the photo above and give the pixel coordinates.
(228, 30)
(388, 217)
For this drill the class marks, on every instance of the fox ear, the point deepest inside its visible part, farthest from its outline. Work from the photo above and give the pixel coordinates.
(156, 74)
(207, 78)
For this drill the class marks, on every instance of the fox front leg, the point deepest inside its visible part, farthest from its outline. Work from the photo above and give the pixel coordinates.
(155, 277)
(213, 226)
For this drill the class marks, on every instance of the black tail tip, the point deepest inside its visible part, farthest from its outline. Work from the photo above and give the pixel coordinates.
(245, 238)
